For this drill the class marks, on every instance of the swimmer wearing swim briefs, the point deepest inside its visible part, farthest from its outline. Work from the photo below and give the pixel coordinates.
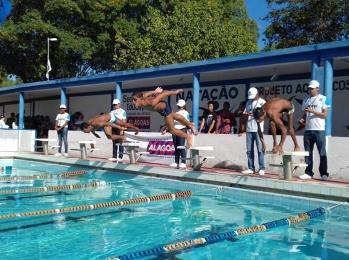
(107, 122)
(154, 101)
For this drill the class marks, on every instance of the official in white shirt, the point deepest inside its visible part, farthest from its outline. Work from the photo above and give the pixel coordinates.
(62, 120)
(315, 110)
(120, 114)
(254, 101)
(180, 154)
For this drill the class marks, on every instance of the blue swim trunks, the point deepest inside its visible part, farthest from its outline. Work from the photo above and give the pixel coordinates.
(167, 110)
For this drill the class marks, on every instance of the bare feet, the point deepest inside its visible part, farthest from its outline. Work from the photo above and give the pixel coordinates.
(277, 149)
(297, 148)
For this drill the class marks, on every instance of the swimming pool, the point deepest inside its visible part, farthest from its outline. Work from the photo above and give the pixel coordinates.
(111, 232)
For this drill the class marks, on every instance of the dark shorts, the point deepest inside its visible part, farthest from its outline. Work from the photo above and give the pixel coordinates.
(167, 110)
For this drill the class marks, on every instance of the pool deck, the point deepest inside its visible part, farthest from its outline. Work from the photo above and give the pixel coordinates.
(270, 182)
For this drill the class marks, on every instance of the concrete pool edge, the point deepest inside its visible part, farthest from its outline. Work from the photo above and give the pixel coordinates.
(311, 189)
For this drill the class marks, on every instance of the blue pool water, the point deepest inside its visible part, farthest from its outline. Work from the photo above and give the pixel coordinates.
(111, 232)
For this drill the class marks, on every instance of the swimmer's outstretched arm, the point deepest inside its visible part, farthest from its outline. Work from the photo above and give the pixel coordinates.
(153, 92)
(165, 94)
(124, 125)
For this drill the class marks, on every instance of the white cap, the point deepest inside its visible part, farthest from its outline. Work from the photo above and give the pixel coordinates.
(116, 101)
(181, 103)
(252, 93)
(62, 106)
(314, 84)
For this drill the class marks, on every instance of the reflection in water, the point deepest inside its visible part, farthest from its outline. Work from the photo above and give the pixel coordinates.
(66, 219)
(18, 197)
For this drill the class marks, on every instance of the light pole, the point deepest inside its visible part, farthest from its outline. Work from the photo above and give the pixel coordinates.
(49, 68)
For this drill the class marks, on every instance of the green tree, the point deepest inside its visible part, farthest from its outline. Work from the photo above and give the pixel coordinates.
(185, 31)
(6, 81)
(96, 36)
(301, 22)
(84, 28)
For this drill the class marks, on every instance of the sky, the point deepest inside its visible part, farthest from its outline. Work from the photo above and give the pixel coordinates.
(256, 10)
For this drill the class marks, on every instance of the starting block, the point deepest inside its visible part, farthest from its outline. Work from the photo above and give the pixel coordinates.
(287, 163)
(195, 157)
(131, 151)
(45, 142)
(83, 148)
(140, 154)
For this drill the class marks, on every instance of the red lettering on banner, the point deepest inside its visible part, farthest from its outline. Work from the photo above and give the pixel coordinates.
(142, 122)
(160, 147)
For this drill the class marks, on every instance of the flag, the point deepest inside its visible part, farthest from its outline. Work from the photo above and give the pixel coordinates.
(49, 68)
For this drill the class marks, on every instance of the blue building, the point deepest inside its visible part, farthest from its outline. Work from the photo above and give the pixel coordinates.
(276, 73)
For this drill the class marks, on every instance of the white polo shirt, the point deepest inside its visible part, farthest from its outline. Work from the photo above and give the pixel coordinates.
(119, 114)
(184, 113)
(62, 118)
(317, 103)
(251, 125)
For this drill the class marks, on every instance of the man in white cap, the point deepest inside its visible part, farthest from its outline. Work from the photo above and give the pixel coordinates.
(120, 114)
(251, 129)
(180, 154)
(61, 126)
(315, 112)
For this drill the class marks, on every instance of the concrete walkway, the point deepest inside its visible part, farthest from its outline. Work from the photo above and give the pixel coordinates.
(328, 190)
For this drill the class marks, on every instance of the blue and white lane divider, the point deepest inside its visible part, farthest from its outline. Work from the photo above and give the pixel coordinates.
(178, 246)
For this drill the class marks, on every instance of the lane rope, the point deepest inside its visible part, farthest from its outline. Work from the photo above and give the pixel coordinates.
(181, 245)
(108, 204)
(94, 184)
(42, 177)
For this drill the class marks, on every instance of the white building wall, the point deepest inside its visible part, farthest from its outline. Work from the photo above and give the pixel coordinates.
(90, 106)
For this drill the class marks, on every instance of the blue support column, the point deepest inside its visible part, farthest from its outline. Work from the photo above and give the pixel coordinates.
(196, 99)
(64, 96)
(118, 90)
(315, 66)
(318, 73)
(329, 94)
(21, 111)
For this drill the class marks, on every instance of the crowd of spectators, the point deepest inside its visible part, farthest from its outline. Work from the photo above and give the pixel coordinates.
(41, 123)
(224, 121)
